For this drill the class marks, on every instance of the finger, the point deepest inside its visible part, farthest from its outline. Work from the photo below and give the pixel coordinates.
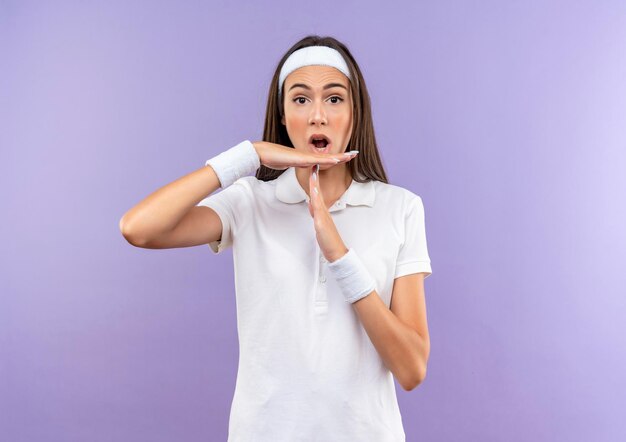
(330, 160)
(311, 196)
(314, 186)
(324, 160)
(309, 160)
(346, 156)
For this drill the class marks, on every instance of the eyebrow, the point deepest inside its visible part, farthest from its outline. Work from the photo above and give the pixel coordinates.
(328, 86)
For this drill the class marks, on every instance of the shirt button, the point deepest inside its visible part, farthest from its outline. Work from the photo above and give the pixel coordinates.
(323, 279)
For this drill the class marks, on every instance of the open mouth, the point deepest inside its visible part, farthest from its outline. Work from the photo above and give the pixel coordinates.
(319, 142)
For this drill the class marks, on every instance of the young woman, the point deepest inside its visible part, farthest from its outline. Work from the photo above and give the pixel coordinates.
(330, 258)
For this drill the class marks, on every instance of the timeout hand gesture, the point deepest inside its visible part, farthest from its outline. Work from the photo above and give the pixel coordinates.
(276, 156)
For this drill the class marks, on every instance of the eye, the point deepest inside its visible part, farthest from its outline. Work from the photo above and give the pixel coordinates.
(333, 97)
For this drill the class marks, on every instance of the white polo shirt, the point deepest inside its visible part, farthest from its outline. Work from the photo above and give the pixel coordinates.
(307, 368)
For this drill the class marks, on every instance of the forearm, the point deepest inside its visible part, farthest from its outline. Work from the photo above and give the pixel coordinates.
(162, 210)
(401, 348)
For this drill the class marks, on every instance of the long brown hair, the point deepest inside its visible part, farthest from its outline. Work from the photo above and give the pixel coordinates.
(367, 165)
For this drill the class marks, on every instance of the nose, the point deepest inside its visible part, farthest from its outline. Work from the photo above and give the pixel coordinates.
(317, 114)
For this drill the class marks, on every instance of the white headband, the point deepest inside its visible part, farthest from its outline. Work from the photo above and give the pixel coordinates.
(312, 55)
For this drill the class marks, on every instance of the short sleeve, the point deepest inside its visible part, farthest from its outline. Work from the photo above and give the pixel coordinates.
(230, 205)
(413, 255)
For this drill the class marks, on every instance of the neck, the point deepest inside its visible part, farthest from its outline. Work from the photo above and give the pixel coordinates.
(333, 182)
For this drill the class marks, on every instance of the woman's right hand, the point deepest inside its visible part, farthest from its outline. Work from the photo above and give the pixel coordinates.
(279, 157)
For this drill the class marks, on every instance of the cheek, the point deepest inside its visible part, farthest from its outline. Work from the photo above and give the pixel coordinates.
(346, 122)
(293, 120)
(295, 127)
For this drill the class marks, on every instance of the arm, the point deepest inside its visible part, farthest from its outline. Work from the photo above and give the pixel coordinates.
(399, 333)
(168, 217)
(158, 215)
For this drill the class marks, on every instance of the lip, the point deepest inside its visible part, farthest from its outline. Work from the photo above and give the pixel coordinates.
(316, 150)
(318, 136)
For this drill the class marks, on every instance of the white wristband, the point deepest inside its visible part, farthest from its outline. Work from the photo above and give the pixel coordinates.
(230, 165)
(353, 278)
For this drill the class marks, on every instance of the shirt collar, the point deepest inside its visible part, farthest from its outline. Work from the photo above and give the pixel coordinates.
(288, 190)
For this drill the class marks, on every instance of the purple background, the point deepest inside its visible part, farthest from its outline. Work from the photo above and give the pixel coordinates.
(508, 118)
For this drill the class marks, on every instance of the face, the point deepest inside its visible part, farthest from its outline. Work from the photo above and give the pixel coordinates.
(311, 107)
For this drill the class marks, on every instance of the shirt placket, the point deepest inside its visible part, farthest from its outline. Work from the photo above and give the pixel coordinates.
(321, 289)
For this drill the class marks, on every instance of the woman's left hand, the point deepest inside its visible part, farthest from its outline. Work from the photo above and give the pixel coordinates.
(328, 237)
